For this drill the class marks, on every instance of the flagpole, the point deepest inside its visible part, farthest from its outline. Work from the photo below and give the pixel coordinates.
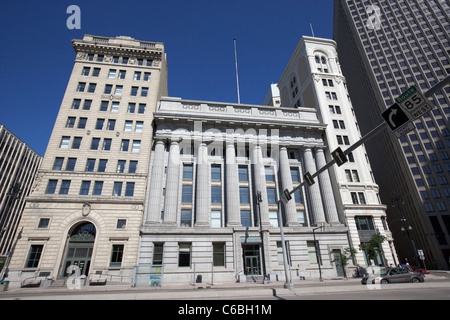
(237, 76)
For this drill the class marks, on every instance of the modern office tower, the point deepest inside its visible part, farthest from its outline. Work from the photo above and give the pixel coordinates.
(217, 170)
(313, 78)
(18, 167)
(85, 212)
(384, 48)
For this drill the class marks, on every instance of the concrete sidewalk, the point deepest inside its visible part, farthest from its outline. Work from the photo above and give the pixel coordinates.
(205, 291)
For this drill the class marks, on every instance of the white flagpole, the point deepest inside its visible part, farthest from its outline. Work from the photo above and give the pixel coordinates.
(237, 76)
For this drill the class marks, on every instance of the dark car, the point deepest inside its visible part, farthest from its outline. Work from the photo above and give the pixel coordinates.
(393, 275)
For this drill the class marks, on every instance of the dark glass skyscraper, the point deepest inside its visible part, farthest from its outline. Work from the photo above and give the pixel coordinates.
(385, 47)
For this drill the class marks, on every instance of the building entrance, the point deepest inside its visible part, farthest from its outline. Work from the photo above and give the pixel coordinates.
(79, 249)
(252, 260)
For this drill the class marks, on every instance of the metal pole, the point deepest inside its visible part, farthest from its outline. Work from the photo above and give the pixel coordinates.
(318, 257)
(371, 134)
(237, 76)
(288, 284)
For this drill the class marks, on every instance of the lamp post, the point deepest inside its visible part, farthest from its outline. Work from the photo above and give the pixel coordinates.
(398, 201)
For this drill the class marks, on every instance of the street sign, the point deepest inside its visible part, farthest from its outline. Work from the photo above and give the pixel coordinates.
(309, 179)
(414, 103)
(339, 156)
(398, 120)
(285, 196)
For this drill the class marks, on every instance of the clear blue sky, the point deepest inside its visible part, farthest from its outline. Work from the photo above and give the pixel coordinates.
(37, 55)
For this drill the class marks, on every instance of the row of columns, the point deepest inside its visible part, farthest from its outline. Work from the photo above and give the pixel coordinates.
(321, 199)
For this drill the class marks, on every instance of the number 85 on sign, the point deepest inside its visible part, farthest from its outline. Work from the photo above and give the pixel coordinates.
(414, 102)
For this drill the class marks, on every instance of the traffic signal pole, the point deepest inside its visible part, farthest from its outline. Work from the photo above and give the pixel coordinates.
(357, 144)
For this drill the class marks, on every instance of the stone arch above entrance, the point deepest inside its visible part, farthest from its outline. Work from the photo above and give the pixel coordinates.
(78, 253)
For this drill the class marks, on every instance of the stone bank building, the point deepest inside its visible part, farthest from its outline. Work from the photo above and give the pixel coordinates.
(133, 179)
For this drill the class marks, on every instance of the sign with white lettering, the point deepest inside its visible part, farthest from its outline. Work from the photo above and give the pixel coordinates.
(414, 103)
(398, 120)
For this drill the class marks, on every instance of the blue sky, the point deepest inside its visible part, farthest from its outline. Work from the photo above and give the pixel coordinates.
(37, 55)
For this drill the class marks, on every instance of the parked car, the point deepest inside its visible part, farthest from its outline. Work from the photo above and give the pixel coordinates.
(424, 271)
(393, 275)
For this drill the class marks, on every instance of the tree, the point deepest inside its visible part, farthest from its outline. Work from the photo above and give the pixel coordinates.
(344, 257)
(373, 248)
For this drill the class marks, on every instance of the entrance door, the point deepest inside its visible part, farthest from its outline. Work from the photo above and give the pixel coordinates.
(252, 260)
(79, 249)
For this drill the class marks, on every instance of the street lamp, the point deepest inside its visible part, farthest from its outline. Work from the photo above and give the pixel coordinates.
(398, 201)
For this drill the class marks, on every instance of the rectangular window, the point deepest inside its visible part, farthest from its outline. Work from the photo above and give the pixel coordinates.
(99, 124)
(102, 163)
(136, 146)
(186, 194)
(186, 218)
(98, 187)
(216, 219)
(115, 107)
(121, 223)
(132, 168)
(294, 175)
(82, 123)
(117, 189)
(158, 251)
(107, 144)
(243, 174)
(86, 71)
(215, 173)
(34, 256)
(90, 164)
(95, 143)
(111, 125)
(124, 145)
(64, 142)
(144, 92)
(219, 254)
(76, 142)
(70, 166)
(129, 189)
(70, 123)
(301, 218)
(244, 196)
(51, 187)
(81, 86)
(112, 73)
(246, 220)
(137, 75)
(216, 194)
(270, 176)
(131, 107)
(85, 186)
(92, 87)
(271, 196)
(118, 91)
(121, 166)
(108, 89)
(364, 223)
(139, 126)
(57, 165)
(146, 76)
(43, 223)
(141, 108)
(128, 126)
(65, 185)
(134, 91)
(273, 218)
(122, 74)
(76, 104)
(187, 172)
(184, 255)
(311, 252)
(280, 253)
(116, 256)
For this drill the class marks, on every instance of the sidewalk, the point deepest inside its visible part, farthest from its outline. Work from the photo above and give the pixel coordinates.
(206, 291)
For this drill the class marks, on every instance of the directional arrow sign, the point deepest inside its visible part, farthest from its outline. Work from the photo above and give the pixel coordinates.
(398, 120)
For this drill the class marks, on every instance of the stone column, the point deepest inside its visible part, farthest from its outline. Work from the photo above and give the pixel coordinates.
(286, 183)
(154, 189)
(259, 178)
(172, 184)
(317, 212)
(203, 187)
(327, 191)
(232, 187)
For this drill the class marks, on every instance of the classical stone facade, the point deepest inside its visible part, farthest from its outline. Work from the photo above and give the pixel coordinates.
(87, 205)
(209, 163)
(314, 77)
